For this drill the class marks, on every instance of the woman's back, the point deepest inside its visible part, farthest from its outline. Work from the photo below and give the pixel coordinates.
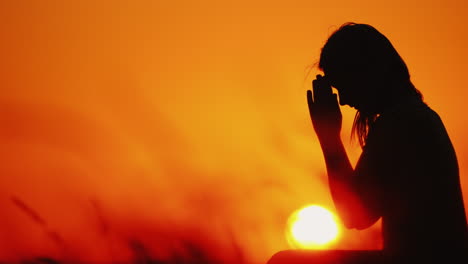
(422, 204)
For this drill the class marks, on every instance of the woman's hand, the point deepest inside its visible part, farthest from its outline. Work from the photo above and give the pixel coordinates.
(324, 109)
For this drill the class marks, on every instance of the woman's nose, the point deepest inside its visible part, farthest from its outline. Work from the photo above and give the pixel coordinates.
(342, 99)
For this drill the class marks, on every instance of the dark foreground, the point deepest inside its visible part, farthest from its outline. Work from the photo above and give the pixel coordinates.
(363, 257)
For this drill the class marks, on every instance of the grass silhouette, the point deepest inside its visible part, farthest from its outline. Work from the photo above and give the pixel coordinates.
(188, 251)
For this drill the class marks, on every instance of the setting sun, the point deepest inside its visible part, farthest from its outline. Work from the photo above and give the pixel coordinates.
(311, 227)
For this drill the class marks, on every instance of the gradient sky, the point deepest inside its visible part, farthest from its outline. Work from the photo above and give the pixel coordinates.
(175, 120)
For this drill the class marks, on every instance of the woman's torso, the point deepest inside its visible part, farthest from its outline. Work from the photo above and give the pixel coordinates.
(421, 199)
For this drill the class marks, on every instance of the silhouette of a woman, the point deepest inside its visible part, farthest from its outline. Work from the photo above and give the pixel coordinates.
(408, 172)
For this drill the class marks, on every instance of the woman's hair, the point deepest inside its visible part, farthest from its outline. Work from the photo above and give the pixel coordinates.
(360, 48)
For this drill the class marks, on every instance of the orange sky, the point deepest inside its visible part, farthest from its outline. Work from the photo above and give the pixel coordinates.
(188, 120)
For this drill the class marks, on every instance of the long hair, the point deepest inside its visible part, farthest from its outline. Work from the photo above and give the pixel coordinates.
(359, 48)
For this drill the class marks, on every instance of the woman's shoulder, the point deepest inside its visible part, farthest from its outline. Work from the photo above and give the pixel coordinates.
(407, 122)
(411, 113)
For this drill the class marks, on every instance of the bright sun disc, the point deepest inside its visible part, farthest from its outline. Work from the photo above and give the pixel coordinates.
(311, 227)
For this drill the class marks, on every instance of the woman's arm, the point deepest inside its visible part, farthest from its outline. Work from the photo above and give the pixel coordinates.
(354, 191)
(350, 202)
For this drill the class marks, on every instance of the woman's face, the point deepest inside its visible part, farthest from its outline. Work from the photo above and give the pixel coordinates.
(354, 89)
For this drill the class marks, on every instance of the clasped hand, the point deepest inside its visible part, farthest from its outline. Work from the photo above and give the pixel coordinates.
(324, 109)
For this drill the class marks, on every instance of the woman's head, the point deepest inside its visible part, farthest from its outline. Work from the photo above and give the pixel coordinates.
(367, 71)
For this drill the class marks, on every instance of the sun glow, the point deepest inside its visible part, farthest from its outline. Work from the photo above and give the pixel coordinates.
(312, 227)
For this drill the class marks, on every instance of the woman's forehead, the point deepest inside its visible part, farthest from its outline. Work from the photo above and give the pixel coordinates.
(332, 75)
(338, 74)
